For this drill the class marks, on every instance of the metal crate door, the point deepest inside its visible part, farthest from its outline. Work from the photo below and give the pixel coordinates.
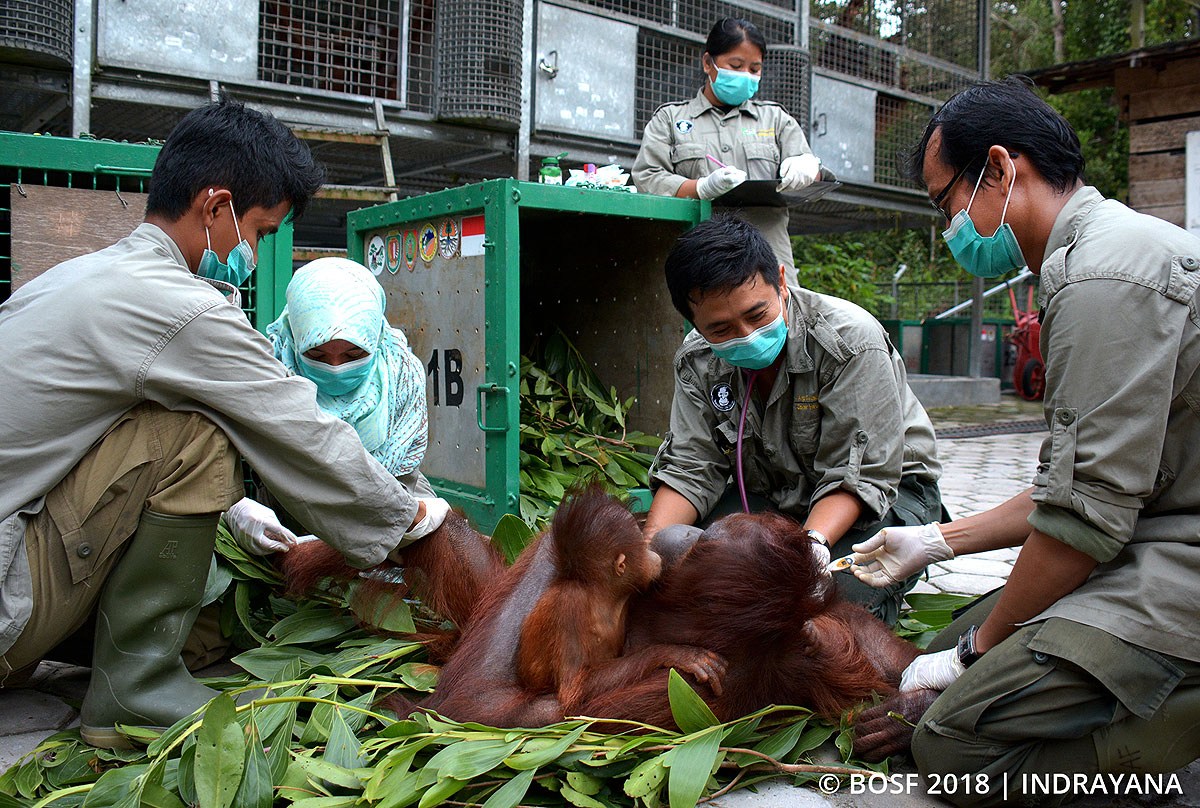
(448, 266)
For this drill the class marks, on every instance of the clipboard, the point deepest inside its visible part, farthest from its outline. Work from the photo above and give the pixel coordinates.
(762, 193)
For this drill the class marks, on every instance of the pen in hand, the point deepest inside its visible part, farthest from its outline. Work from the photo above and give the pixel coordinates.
(715, 160)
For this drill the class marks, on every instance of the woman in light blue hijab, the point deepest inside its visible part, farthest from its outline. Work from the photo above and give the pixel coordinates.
(333, 331)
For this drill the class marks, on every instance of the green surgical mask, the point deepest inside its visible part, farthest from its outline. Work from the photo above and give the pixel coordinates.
(236, 267)
(984, 256)
(756, 350)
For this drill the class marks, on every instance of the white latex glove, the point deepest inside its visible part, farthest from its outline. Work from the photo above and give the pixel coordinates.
(937, 671)
(256, 528)
(436, 509)
(821, 551)
(895, 553)
(797, 172)
(721, 181)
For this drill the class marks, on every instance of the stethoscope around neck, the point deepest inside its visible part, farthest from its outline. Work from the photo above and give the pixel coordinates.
(741, 479)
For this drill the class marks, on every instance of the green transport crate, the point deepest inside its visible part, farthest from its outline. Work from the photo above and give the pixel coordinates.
(474, 274)
(63, 197)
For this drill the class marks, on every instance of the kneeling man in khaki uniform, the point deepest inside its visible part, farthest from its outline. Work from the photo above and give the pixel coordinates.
(135, 383)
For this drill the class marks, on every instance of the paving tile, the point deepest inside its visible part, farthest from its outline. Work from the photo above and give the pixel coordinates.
(960, 584)
(27, 710)
(14, 747)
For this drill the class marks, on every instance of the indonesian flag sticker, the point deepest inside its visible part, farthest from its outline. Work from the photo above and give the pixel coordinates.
(472, 236)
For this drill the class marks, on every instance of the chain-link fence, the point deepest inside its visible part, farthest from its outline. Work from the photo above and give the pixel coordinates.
(923, 300)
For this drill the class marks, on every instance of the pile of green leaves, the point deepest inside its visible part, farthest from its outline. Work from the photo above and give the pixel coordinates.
(313, 738)
(573, 430)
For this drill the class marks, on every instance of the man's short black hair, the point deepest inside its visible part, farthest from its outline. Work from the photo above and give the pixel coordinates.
(720, 254)
(1006, 113)
(225, 144)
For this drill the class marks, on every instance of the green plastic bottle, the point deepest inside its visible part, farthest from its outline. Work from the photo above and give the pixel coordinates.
(551, 173)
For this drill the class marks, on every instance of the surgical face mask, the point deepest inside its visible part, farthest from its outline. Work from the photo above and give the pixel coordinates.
(734, 87)
(756, 350)
(984, 256)
(239, 264)
(337, 380)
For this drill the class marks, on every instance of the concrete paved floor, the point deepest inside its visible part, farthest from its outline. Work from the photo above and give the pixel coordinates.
(978, 473)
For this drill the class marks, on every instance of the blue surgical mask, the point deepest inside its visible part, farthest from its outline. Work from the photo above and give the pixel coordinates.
(984, 256)
(337, 380)
(734, 87)
(756, 350)
(239, 264)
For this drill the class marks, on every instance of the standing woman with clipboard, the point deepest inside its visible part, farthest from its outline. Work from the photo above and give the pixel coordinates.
(706, 146)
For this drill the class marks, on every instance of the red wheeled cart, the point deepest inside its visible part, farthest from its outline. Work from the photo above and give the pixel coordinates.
(1029, 373)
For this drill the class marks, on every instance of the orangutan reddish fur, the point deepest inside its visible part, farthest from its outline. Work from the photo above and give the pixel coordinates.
(448, 570)
(752, 590)
(549, 634)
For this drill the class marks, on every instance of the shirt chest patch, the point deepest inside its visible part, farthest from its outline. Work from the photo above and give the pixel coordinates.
(721, 396)
(806, 403)
(748, 132)
(684, 126)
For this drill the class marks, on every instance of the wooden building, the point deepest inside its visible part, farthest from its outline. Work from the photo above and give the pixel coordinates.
(1158, 92)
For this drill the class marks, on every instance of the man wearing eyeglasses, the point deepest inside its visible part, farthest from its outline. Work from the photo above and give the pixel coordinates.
(1088, 661)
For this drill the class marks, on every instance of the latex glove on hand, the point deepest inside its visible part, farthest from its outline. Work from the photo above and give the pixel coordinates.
(934, 671)
(256, 528)
(798, 172)
(721, 181)
(436, 509)
(895, 553)
(821, 551)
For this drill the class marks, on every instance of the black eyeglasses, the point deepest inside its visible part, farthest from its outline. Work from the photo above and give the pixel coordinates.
(937, 200)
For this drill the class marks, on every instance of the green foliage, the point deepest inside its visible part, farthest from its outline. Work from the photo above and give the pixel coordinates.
(573, 430)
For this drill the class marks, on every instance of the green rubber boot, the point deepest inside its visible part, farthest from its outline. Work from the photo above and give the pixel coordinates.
(148, 606)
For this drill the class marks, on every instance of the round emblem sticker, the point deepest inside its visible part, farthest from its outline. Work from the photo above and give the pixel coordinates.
(410, 249)
(722, 397)
(376, 255)
(683, 126)
(448, 238)
(393, 251)
(427, 242)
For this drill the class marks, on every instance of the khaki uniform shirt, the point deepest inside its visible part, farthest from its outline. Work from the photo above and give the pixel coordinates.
(1119, 476)
(95, 336)
(840, 416)
(754, 137)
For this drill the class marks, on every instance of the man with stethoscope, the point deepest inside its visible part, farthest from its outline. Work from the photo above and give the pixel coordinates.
(789, 400)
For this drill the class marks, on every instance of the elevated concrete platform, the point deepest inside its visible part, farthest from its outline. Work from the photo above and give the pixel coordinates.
(953, 391)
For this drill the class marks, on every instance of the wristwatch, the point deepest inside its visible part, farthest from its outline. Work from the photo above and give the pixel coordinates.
(817, 536)
(967, 652)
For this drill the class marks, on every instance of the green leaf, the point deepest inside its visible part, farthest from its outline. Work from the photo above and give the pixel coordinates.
(342, 747)
(255, 789)
(310, 626)
(467, 759)
(440, 791)
(512, 792)
(186, 776)
(783, 742)
(577, 798)
(29, 779)
(219, 754)
(318, 770)
(155, 796)
(326, 802)
(812, 738)
(584, 783)
(266, 663)
(688, 709)
(845, 742)
(219, 578)
(388, 614)
(511, 536)
(691, 764)
(647, 777)
(241, 602)
(419, 675)
(938, 601)
(540, 757)
(279, 741)
(112, 786)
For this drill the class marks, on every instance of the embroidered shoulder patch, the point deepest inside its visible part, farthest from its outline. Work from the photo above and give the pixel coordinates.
(721, 396)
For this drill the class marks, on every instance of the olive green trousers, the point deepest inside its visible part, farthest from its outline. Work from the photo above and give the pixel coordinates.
(1057, 711)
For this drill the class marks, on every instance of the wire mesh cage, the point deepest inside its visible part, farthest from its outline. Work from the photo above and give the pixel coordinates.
(36, 31)
(944, 29)
(479, 61)
(899, 123)
(344, 46)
